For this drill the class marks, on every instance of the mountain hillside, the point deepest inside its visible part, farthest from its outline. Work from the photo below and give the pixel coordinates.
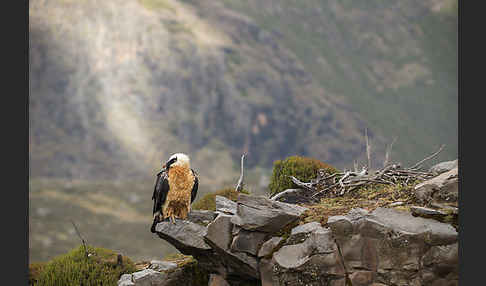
(116, 88)
(395, 62)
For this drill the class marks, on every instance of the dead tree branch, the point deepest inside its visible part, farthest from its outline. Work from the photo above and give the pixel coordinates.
(240, 184)
(417, 165)
(368, 149)
(388, 152)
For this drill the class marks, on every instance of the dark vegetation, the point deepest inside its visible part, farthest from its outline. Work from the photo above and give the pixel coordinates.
(303, 168)
(102, 267)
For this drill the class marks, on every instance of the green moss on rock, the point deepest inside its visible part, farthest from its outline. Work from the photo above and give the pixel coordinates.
(303, 168)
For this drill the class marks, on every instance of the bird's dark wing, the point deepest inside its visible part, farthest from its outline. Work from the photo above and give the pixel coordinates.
(161, 189)
(195, 187)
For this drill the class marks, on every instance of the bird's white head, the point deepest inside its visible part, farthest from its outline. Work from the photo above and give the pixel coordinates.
(179, 159)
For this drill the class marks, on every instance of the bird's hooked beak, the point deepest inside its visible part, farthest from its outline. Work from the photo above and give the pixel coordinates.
(165, 167)
(167, 164)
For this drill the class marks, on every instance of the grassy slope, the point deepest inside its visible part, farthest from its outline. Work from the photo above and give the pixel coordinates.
(105, 214)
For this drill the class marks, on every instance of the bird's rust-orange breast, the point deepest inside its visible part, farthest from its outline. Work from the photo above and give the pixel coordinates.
(181, 182)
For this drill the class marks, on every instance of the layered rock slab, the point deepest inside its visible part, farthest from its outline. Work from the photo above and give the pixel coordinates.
(264, 215)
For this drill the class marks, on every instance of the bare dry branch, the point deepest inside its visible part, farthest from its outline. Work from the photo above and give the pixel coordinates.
(307, 186)
(240, 184)
(338, 184)
(368, 149)
(388, 152)
(428, 158)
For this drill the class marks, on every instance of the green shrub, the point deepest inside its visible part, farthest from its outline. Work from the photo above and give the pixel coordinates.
(208, 202)
(73, 268)
(303, 168)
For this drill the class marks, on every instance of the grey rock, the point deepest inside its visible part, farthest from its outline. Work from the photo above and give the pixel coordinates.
(422, 211)
(240, 264)
(268, 246)
(308, 227)
(226, 262)
(262, 214)
(248, 241)
(126, 283)
(266, 272)
(162, 265)
(442, 258)
(201, 216)
(125, 280)
(217, 280)
(225, 205)
(148, 277)
(184, 235)
(442, 188)
(383, 221)
(347, 224)
(219, 232)
(293, 256)
(340, 225)
(444, 166)
(441, 262)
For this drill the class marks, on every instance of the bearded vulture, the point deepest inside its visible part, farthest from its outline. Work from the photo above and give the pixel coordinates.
(175, 189)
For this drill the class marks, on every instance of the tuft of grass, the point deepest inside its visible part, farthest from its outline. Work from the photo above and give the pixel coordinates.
(179, 259)
(74, 268)
(303, 168)
(208, 202)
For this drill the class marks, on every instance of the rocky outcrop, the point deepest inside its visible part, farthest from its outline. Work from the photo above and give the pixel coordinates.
(384, 246)
(229, 245)
(257, 240)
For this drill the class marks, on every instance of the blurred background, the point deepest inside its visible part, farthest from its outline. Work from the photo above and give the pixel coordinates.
(116, 87)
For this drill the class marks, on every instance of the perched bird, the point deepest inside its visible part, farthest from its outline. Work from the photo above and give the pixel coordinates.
(175, 189)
